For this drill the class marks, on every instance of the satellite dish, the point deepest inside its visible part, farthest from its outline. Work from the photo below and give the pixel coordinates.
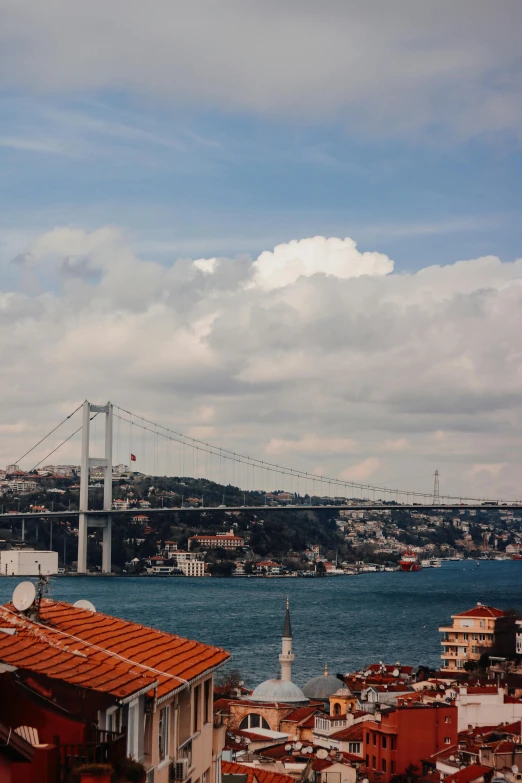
(396, 672)
(288, 747)
(309, 749)
(84, 604)
(323, 754)
(23, 596)
(452, 758)
(514, 769)
(298, 745)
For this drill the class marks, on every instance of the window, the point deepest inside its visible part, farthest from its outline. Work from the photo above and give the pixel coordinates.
(374, 762)
(393, 742)
(367, 737)
(383, 741)
(482, 637)
(133, 730)
(354, 747)
(374, 738)
(196, 713)
(253, 721)
(367, 761)
(465, 636)
(392, 767)
(113, 719)
(447, 719)
(337, 709)
(482, 623)
(163, 733)
(447, 740)
(207, 696)
(383, 765)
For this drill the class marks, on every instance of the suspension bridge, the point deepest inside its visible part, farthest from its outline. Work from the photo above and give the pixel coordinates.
(177, 454)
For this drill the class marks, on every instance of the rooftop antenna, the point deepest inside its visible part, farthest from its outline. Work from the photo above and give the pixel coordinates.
(436, 489)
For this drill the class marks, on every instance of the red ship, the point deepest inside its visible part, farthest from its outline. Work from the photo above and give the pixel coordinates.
(409, 562)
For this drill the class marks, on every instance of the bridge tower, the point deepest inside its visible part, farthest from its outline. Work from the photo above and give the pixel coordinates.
(436, 489)
(87, 462)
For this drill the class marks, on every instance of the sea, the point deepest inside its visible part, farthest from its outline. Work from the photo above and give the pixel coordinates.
(346, 622)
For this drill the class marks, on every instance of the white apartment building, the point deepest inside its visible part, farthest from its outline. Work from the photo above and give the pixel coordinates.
(193, 567)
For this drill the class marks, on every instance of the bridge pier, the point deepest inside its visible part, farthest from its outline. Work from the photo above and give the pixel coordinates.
(85, 519)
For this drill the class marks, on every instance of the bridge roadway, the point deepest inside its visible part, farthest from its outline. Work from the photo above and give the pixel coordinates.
(222, 509)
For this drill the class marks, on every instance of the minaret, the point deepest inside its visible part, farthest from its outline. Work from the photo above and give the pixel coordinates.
(286, 658)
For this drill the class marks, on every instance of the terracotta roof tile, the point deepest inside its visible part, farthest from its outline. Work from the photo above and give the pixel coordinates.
(482, 611)
(468, 774)
(103, 653)
(354, 733)
(301, 713)
(254, 773)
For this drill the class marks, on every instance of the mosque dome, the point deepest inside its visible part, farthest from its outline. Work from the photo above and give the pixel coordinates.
(321, 687)
(281, 691)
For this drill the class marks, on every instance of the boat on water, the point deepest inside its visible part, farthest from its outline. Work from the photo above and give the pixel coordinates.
(409, 562)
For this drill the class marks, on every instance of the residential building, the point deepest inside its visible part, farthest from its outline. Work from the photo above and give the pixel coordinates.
(221, 540)
(472, 632)
(406, 735)
(193, 567)
(486, 705)
(80, 679)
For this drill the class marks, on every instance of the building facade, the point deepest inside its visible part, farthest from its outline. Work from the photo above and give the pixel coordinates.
(471, 633)
(28, 562)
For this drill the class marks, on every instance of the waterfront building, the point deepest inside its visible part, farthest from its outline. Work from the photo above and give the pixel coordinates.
(221, 540)
(85, 683)
(28, 562)
(472, 632)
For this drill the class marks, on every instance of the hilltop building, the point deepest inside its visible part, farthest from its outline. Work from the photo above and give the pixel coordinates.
(221, 540)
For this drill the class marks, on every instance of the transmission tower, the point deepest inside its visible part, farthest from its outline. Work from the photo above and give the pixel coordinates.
(436, 490)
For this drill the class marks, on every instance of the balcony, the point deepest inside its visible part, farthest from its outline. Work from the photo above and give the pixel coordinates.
(106, 747)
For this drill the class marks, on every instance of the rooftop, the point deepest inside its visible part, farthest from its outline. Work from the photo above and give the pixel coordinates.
(254, 773)
(93, 650)
(481, 611)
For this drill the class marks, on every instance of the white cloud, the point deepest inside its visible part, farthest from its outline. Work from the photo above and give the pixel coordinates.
(362, 471)
(311, 444)
(386, 67)
(423, 368)
(319, 255)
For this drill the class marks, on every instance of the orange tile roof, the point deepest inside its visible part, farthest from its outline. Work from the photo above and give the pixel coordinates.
(254, 773)
(469, 774)
(482, 611)
(103, 653)
(301, 713)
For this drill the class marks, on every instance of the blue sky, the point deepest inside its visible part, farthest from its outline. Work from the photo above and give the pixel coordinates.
(188, 182)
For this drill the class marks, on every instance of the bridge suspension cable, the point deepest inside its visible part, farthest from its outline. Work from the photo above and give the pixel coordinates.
(255, 463)
(49, 433)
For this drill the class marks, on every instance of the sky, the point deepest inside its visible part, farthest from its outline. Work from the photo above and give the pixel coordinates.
(291, 228)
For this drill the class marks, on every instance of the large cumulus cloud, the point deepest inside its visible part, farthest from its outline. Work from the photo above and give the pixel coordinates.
(314, 354)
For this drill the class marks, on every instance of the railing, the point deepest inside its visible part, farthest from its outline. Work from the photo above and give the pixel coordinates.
(105, 748)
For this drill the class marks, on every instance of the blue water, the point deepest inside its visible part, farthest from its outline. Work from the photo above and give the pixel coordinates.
(346, 621)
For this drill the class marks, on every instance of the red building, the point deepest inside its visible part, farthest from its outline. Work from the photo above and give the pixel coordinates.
(406, 735)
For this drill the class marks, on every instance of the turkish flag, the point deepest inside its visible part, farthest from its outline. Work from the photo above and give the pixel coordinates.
(133, 458)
